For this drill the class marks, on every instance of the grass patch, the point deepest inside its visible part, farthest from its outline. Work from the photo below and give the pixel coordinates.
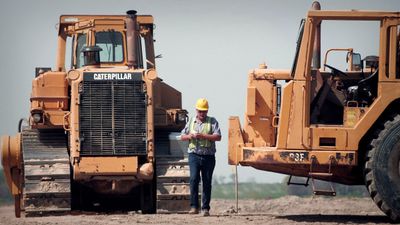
(249, 191)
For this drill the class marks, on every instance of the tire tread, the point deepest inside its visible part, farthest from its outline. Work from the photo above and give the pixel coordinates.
(378, 135)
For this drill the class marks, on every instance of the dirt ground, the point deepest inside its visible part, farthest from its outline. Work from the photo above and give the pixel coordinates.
(286, 210)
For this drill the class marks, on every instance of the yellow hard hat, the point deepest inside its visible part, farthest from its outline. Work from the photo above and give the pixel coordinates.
(202, 104)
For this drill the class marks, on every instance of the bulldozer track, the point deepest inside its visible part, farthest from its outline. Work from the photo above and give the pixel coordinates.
(47, 185)
(173, 192)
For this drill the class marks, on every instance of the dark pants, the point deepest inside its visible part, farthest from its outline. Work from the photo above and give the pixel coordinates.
(203, 164)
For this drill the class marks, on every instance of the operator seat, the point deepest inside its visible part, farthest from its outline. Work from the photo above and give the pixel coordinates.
(366, 89)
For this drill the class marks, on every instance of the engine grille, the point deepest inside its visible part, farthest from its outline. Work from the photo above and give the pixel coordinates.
(112, 117)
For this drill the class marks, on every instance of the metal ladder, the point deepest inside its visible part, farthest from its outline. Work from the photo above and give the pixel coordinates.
(317, 191)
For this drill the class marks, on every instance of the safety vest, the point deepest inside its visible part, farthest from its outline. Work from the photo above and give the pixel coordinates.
(194, 143)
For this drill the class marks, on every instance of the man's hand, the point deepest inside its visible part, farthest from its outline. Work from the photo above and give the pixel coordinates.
(198, 136)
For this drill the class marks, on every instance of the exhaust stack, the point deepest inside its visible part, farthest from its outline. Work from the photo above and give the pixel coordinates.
(316, 61)
(131, 38)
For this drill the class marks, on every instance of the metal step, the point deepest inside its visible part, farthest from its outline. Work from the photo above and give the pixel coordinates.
(313, 174)
(325, 192)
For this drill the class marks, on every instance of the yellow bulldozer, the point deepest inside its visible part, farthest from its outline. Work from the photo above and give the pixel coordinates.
(101, 133)
(325, 123)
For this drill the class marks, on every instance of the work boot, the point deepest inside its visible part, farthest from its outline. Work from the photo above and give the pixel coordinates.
(194, 211)
(206, 212)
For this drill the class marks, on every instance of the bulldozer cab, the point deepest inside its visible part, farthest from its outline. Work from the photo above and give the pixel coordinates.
(109, 34)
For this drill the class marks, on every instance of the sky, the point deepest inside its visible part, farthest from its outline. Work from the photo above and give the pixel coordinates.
(208, 48)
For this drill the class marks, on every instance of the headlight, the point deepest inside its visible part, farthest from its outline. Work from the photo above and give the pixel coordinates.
(37, 117)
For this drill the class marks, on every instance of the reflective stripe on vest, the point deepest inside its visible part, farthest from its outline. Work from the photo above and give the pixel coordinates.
(194, 143)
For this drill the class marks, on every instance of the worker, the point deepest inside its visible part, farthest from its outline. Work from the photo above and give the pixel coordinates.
(202, 132)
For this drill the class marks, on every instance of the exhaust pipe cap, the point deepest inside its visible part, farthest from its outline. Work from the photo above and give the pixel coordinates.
(131, 12)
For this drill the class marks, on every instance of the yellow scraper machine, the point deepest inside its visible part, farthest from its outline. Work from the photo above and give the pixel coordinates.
(337, 125)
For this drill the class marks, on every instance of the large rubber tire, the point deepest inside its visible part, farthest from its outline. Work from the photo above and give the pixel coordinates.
(382, 168)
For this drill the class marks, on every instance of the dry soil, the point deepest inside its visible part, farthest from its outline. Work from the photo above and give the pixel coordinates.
(286, 210)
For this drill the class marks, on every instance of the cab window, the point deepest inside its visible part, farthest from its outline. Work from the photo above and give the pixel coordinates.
(111, 43)
(81, 43)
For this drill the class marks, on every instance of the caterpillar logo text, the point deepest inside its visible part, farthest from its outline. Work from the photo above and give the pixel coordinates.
(112, 76)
